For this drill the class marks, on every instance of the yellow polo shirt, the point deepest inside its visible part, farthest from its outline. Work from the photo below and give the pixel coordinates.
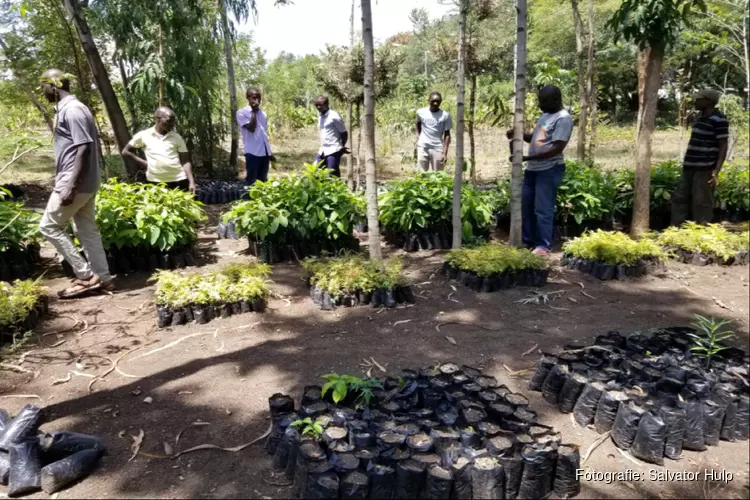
(162, 154)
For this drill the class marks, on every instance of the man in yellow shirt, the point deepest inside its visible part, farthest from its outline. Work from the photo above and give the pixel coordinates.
(167, 159)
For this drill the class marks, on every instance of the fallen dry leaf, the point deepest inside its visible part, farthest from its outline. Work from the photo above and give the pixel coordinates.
(451, 340)
(573, 300)
(63, 380)
(721, 304)
(168, 450)
(148, 400)
(136, 446)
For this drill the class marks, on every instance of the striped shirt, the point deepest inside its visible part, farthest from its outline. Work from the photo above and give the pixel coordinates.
(703, 148)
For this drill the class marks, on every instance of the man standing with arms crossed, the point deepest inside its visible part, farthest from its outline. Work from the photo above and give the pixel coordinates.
(706, 152)
(433, 135)
(253, 124)
(544, 170)
(333, 137)
(167, 160)
(77, 180)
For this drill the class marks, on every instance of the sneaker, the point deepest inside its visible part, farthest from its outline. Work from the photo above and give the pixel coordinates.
(540, 251)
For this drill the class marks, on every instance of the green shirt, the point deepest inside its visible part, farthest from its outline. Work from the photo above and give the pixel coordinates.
(162, 154)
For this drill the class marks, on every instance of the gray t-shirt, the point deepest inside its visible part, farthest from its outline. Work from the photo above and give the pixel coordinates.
(551, 127)
(74, 126)
(434, 126)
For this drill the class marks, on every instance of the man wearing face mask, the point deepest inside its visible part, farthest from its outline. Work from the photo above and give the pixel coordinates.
(77, 180)
(167, 160)
(433, 135)
(544, 169)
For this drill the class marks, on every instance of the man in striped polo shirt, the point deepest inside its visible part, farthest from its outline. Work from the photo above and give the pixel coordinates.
(706, 152)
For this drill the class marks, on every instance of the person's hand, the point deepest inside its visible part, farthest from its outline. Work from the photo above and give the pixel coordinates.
(444, 157)
(509, 134)
(714, 180)
(346, 151)
(191, 187)
(67, 195)
(272, 159)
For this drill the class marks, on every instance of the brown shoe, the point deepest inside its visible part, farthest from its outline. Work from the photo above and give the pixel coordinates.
(108, 286)
(81, 287)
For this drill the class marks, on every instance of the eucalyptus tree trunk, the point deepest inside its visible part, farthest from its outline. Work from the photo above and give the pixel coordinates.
(460, 111)
(24, 85)
(582, 91)
(359, 146)
(516, 183)
(590, 84)
(99, 72)
(373, 223)
(649, 80)
(349, 159)
(230, 83)
(472, 145)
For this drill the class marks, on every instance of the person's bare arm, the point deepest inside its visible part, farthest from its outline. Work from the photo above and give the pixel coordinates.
(526, 135)
(446, 144)
(129, 152)
(344, 138)
(188, 168)
(253, 123)
(723, 149)
(553, 149)
(419, 128)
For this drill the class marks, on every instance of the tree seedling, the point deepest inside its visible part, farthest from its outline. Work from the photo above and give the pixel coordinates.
(343, 384)
(713, 335)
(308, 427)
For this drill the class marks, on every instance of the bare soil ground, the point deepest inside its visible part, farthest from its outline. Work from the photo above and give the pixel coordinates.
(222, 373)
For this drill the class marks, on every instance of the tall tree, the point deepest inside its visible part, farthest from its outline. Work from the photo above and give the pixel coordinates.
(463, 13)
(373, 223)
(592, 98)
(582, 90)
(232, 87)
(516, 183)
(99, 72)
(652, 25)
(23, 82)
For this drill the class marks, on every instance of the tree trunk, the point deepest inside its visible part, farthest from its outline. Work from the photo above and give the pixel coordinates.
(349, 159)
(99, 72)
(460, 118)
(128, 96)
(472, 146)
(230, 81)
(582, 94)
(591, 93)
(77, 60)
(22, 84)
(373, 223)
(516, 183)
(162, 82)
(641, 62)
(359, 146)
(649, 80)
(747, 55)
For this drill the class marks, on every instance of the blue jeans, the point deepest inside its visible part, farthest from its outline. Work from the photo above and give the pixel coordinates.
(331, 162)
(538, 205)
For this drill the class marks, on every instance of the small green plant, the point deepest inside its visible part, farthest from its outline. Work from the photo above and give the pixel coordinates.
(19, 227)
(350, 273)
(709, 342)
(733, 190)
(613, 248)
(494, 258)
(308, 427)
(342, 385)
(586, 193)
(711, 239)
(17, 300)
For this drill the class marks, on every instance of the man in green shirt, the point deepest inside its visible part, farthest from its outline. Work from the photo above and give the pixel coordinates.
(167, 160)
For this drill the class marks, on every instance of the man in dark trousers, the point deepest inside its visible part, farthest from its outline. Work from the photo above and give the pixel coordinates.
(77, 180)
(706, 152)
(333, 136)
(544, 169)
(253, 124)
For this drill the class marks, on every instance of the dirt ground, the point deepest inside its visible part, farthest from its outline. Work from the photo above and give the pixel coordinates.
(222, 373)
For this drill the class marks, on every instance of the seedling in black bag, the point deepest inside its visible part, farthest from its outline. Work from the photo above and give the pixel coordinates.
(308, 427)
(343, 385)
(710, 343)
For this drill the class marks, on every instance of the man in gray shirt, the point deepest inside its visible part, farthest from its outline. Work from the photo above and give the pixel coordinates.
(433, 135)
(544, 169)
(77, 179)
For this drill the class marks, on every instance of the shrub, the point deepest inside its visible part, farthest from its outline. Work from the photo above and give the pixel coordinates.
(19, 227)
(494, 258)
(425, 203)
(232, 283)
(612, 248)
(146, 215)
(711, 239)
(664, 179)
(17, 301)
(733, 191)
(310, 205)
(498, 197)
(351, 273)
(586, 193)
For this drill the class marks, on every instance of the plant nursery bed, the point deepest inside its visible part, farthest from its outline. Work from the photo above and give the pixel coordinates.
(18, 263)
(492, 267)
(22, 305)
(32, 461)
(201, 297)
(353, 281)
(702, 245)
(446, 431)
(422, 240)
(612, 255)
(656, 395)
(701, 259)
(273, 253)
(128, 259)
(219, 192)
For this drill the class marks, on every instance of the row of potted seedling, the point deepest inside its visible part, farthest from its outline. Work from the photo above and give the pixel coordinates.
(380, 297)
(22, 305)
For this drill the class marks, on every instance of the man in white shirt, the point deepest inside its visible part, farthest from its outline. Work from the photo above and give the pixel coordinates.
(253, 124)
(433, 135)
(167, 160)
(544, 170)
(333, 137)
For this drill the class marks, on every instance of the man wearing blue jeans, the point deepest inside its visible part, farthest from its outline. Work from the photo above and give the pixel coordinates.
(544, 170)
(253, 124)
